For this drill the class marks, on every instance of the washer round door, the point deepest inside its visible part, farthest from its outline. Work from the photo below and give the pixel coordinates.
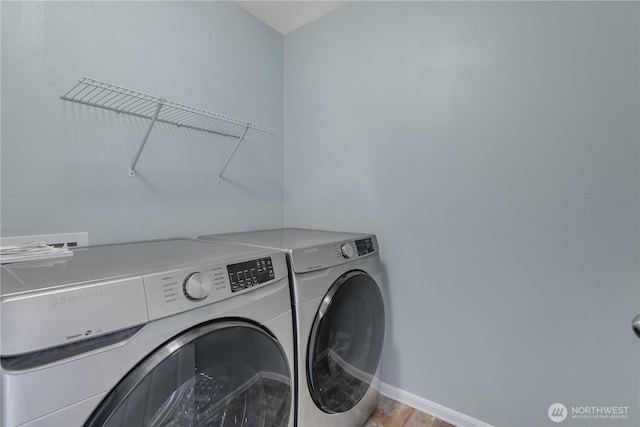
(216, 374)
(345, 343)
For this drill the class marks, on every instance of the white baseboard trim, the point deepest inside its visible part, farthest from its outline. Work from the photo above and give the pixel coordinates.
(428, 407)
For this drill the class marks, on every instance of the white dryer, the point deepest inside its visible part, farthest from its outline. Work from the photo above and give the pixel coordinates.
(176, 332)
(340, 320)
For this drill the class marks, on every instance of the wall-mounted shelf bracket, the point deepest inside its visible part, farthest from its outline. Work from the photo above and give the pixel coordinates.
(132, 169)
(232, 154)
(122, 100)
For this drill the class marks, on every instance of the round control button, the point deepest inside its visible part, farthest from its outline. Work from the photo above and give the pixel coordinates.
(197, 286)
(347, 250)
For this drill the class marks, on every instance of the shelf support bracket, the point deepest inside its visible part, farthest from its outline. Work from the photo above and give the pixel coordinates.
(132, 169)
(232, 154)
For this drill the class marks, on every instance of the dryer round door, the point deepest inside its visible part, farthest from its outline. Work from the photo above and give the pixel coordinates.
(216, 374)
(345, 342)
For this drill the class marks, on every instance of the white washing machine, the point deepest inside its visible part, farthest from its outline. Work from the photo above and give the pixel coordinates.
(176, 332)
(339, 315)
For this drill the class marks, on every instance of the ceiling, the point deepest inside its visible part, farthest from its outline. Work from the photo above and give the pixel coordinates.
(288, 16)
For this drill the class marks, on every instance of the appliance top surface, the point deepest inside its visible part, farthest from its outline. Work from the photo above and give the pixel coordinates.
(100, 263)
(288, 238)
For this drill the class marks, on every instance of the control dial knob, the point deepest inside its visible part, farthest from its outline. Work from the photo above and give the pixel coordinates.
(347, 250)
(196, 286)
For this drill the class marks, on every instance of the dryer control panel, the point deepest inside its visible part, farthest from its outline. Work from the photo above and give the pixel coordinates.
(354, 248)
(364, 246)
(180, 290)
(324, 256)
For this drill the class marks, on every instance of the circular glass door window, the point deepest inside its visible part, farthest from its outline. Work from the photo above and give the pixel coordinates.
(216, 375)
(345, 343)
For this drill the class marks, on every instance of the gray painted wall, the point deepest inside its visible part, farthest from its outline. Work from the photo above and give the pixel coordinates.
(493, 148)
(64, 166)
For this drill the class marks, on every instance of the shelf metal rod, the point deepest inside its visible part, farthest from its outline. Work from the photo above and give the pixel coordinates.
(109, 98)
(175, 114)
(132, 169)
(107, 93)
(140, 108)
(71, 90)
(89, 93)
(100, 92)
(232, 153)
(197, 120)
(128, 103)
(147, 110)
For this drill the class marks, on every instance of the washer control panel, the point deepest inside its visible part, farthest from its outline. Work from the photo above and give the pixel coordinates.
(250, 273)
(180, 290)
(185, 287)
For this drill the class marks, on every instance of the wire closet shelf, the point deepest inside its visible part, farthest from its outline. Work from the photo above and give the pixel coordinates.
(96, 93)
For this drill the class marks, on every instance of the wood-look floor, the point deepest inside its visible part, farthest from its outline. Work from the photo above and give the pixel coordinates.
(390, 413)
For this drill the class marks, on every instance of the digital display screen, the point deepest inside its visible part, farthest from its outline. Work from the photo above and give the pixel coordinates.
(250, 273)
(364, 246)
